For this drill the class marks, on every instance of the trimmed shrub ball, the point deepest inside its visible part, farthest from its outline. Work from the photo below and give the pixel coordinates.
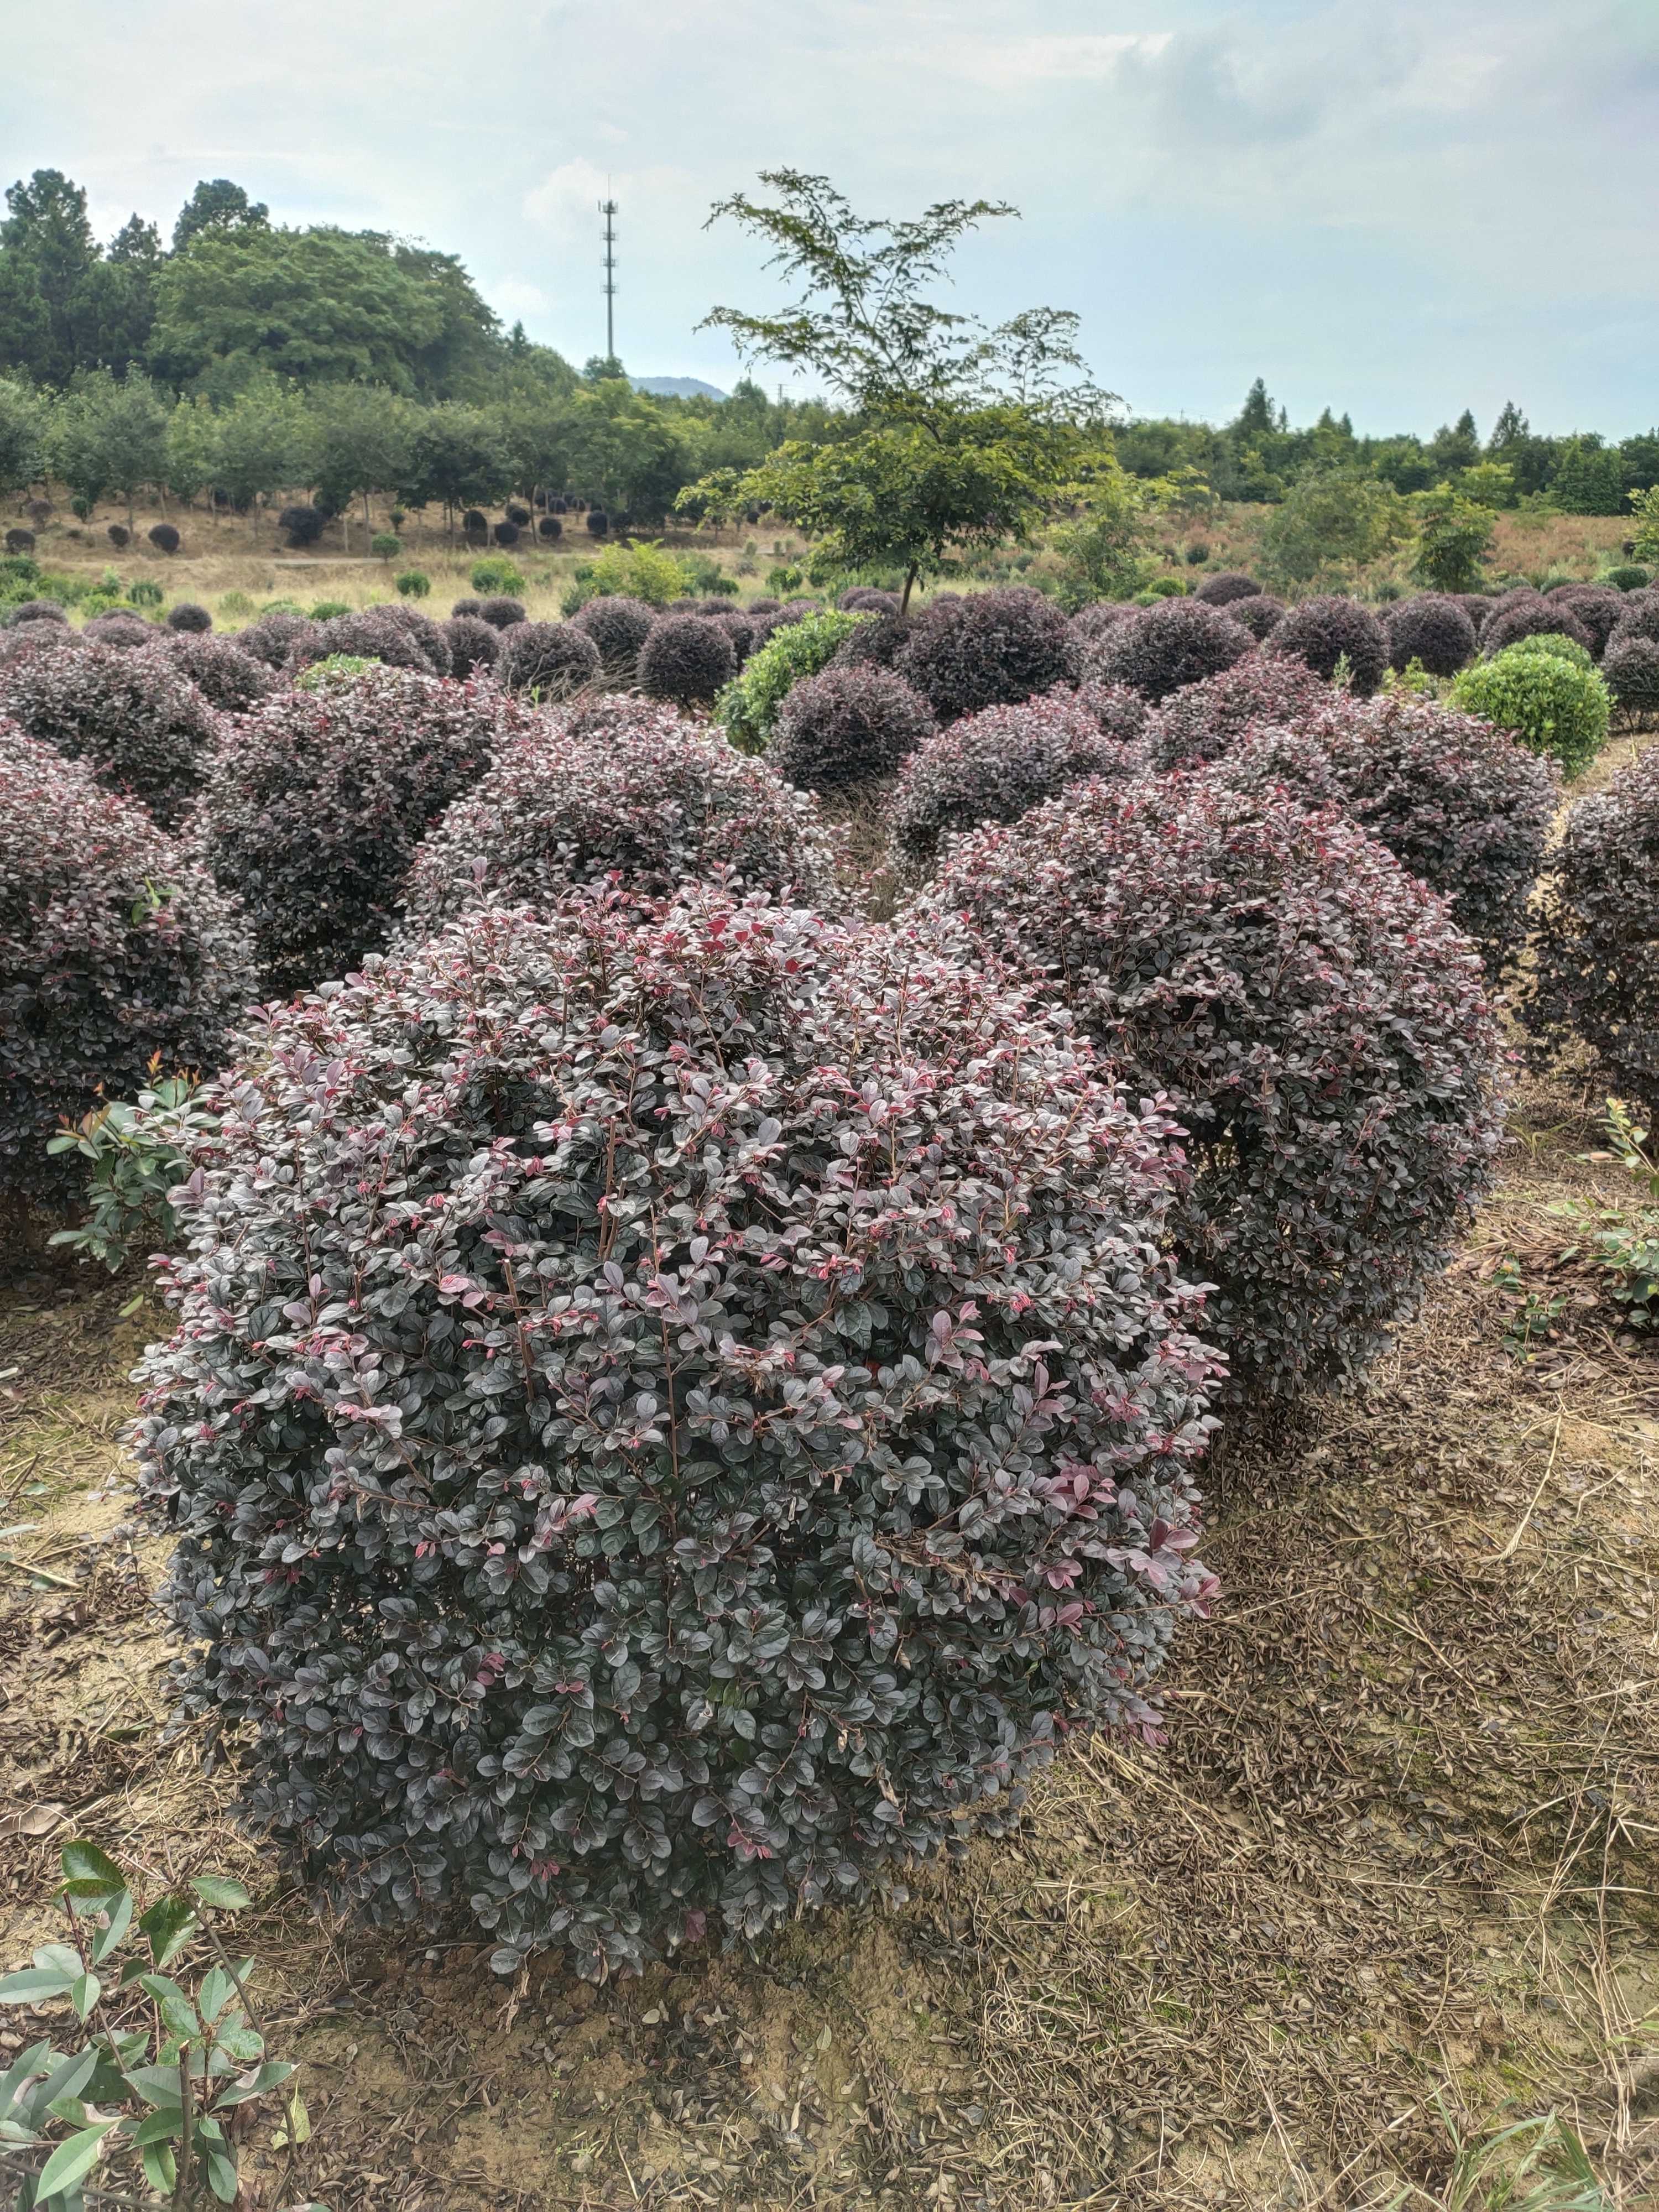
(1260, 614)
(992, 649)
(632, 790)
(1639, 617)
(1597, 946)
(228, 678)
(1532, 616)
(1201, 721)
(759, 1426)
(1476, 606)
(427, 634)
(1324, 631)
(114, 946)
(1164, 647)
(1432, 630)
(873, 644)
(518, 516)
(549, 527)
(317, 807)
(118, 535)
(1631, 671)
(164, 538)
(475, 525)
(373, 634)
(276, 637)
(1597, 612)
(500, 612)
(1269, 760)
(996, 766)
(1092, 622)
(1547, 702)
(1629, 576)
(741, 631)
(1117, 712)
(1318, 1023)
(849, 725)
(1458, 803)
(1224, 590)
(1557, 642)
(20, 541)
(38, 610)
(138, 722)
(474, 608)
(686, 659)
(124, 631)
(474, 646)
(864, 599)
(597, 521)
(505, 533)
(550, 659)
(303, 526)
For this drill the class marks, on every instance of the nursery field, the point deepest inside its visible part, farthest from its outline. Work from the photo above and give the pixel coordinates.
(872, 1415)
(1393, 1878)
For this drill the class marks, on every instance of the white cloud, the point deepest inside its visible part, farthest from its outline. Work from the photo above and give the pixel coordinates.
(1065, 58)
(566, 203)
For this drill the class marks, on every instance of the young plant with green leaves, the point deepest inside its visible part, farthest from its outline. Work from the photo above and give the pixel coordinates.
(1623, 1240)
(139, 1151)
(965, 434)
(159, 2065)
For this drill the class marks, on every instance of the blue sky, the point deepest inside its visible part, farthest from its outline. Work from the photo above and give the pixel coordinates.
(1398, 207)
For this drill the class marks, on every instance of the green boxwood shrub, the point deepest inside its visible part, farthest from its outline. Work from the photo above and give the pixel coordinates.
(498, 575)
(412, 583)
(749, 707)
(700, 1411)
(1547, 702)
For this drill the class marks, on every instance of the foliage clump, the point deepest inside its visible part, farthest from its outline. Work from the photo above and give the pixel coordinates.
(991, 649)
(619, 626)
(1630, 672)
(849, 725)
(1531, 616)
(1541, 699)
(996, 766)
(685, 659)
(759, 1425)
(1597, 611)
(188, 616)
(1162, 649)
(1314, 1019)
(548, 660)
(317, 807)
(1224, 590)
(1203, 721)
(1597, 945)
(427, 634)
(500, 611)
(279, 635)
(165, 539)
(228, 679)
(301, 526)
(115, 947)
(1334, 629)
(797, 648)
(474, 646)
(1260, 614)
(136, 720)
(630, 790)
(1432, 629)
(1639, 617)
(119, 627)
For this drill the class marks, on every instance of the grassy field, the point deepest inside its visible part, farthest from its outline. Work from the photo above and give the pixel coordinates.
(1391, 1887)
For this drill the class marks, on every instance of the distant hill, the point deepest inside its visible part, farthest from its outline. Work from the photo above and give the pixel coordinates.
(676, 387)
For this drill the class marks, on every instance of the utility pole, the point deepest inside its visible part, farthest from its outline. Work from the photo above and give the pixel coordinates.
(608, 209)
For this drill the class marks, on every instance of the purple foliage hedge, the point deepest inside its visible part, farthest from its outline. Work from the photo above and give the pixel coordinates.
(848, 725)
(634, 791)
(1312, 1016)
(136, 720)
(718, 1372)
(996, 766)
(114, 946)
(319, 804)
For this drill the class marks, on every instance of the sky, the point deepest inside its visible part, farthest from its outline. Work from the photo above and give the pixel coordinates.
(1396, 208)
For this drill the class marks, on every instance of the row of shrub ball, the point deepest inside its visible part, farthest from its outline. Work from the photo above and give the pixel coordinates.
(682, 1394)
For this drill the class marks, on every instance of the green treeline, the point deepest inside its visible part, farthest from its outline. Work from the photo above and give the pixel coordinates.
(247, 358)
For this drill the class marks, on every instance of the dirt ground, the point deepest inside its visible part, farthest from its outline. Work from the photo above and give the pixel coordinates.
(1394, 1876)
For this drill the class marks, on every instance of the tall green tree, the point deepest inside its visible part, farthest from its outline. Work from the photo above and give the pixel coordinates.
(967, 433)
(1330, 526)
(22, 433)
(217, 205)
(46, 252)
(106, 436)
(360, 443)
(264, 441)
(458, 456)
